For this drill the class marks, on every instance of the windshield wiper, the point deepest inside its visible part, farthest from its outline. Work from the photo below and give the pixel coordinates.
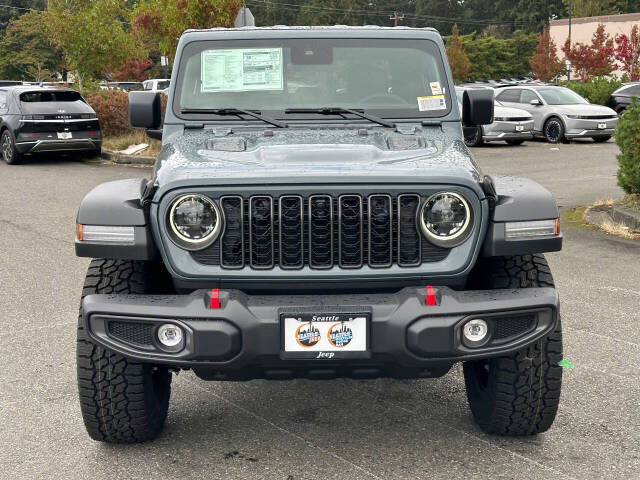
(236, 111)
(340, 110)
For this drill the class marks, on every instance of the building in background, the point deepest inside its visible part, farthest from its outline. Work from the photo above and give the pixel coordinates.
(582, 29)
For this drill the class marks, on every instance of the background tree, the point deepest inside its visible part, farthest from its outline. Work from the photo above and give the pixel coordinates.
(93, 35)
(25, 50)
(135, 68)
(163, 21)
(592, 8)
(545, 63)
(627, 52)
(591, 60)
(458, 60)
(12, 9)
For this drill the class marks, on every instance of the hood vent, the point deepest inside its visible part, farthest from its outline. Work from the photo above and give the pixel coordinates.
(405, 143)
(227, 144)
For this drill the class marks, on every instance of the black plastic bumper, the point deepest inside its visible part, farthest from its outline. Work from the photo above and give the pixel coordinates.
(243, 338)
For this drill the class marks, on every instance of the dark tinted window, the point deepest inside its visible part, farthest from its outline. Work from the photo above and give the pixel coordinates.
(163, 85)
(509, 95)
(44, 96)
(632, 90)
(3, 100)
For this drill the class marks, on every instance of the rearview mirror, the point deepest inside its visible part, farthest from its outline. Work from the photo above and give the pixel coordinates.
(477, 107)
(535, 101)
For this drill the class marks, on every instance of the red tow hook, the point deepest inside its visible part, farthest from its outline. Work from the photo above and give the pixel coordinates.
(215, 299)
(431, 297)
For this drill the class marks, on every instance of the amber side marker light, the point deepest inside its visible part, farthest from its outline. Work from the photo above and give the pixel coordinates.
(79, 231)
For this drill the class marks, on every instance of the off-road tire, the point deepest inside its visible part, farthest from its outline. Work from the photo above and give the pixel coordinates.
(8, 150)
(122, 401)
(475, 139)
(516, 394)
(553, 130)
(601, 138)
(514, 143)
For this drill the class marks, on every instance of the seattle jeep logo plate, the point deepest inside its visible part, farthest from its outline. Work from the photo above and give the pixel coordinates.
(325, 333)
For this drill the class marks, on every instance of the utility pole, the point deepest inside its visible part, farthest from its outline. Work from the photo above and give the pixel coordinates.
(568, 62)
(395, 17)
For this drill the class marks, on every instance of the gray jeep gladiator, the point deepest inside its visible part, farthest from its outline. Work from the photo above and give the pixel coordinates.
(314, 213)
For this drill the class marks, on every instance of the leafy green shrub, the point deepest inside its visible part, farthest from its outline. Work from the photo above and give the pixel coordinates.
(596, 90)
(628, 139)
(112, 107)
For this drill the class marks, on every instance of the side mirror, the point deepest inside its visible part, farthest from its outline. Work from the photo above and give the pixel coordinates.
(535, 102)
(145, 111)
(477, 107)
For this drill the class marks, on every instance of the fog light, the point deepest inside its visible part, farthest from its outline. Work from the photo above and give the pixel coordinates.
(170, 335)
(475, 331)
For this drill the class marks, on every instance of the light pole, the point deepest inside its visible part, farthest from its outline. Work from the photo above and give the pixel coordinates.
(568, 61)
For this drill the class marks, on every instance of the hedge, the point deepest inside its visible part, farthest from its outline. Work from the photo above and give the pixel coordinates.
(112, 108)
(628, 140)
(597, 90)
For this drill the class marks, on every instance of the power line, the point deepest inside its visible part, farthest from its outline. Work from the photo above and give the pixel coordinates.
(382, 13)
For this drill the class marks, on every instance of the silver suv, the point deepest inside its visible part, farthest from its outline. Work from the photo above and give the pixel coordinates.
(560, 114)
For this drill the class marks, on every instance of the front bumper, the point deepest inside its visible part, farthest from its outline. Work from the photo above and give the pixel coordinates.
(243, 338)
(576, 128)
(508, 130)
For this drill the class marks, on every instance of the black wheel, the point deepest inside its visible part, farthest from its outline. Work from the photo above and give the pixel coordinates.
(8, 149)
(516, 394)
(122, 401)
(515, 142)
(554, 130)
(602, 139)
(473, 137)
(94, 153)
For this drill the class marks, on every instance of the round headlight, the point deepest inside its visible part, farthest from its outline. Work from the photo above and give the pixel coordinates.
(445, 219)
(194, 221)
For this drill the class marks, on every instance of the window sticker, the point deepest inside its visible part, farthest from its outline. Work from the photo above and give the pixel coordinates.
(435, 88)
(432, 102)
(241, 70)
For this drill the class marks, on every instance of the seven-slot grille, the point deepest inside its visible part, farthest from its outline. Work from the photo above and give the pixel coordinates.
(320, 231)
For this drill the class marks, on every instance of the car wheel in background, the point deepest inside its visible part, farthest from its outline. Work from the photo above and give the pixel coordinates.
(554, 130)
(602, 139)
(8, 149)
(473, 137)
(515, 142)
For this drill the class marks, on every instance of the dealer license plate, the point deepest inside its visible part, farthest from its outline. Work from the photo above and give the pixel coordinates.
(602, 126)
(519, 128)
(64, 135)
(325, 335)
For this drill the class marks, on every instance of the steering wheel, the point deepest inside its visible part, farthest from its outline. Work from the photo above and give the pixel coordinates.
(387, 97)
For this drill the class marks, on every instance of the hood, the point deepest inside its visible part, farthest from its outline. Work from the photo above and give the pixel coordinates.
(584, 109)
(319, 155)
(501, 111)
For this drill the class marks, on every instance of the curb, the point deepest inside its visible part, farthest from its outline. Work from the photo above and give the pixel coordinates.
(629, 218)
(121, 158)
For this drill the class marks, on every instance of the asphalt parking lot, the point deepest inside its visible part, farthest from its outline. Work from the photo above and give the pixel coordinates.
(382, 429)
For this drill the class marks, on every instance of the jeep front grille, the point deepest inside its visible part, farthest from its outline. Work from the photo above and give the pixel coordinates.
(320, 231)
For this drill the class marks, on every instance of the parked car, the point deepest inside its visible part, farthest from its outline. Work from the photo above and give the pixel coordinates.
(46, 119)
(560, 113)
(124, 86)
(621, 98)
(512, 125)
(156, 84)
(364, 242)
(10, 83)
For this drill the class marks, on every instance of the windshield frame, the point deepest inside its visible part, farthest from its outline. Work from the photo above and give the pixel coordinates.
(389, 114)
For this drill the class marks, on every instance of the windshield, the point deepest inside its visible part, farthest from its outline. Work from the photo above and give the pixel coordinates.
(561, 96)
(385, 77)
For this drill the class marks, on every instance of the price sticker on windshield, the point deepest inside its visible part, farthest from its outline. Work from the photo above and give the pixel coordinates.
(241, 70)
(432, 102)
